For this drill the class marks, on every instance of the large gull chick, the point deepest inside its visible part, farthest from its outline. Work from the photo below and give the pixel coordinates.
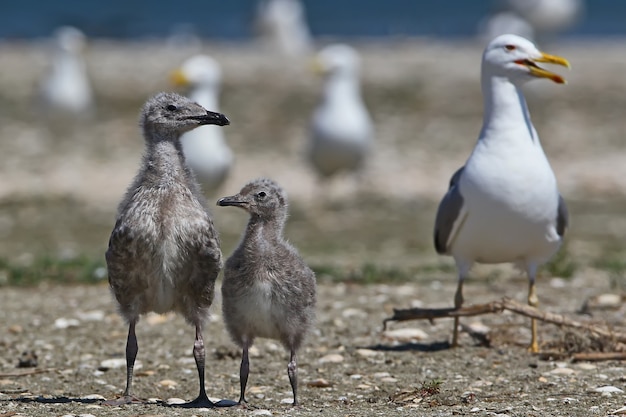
(268, 290)
(503, 205)
(164, 252)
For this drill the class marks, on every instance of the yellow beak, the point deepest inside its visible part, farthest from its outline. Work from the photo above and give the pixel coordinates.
(543, 73)
(316, 66)
(178, 78)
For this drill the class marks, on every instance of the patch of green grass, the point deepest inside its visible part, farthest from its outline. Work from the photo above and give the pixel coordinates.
(370, 273)
(562, 264)
(430, 388)
(67, 271)
(614, 263)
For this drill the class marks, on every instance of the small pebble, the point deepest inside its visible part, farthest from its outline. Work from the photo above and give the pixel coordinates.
(619, 411)
(405, 335)
(94, 315)
(286, 401)
(15, 329)
(586, 366)
(63, 323)
(353, 312)
(319, 383)
(609, 389)
(115, 363)
(381, 375)
(562, 371)
(478, 327)
(154, 319)
(609, 301)
(174, 400)
(92, 397)
(261, 412)
(389, 379)
(168, 383)
(367, 353)
(331, 358)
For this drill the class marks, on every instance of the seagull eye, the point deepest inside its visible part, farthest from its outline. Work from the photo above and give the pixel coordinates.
(261, 194)
(171, 107)
(509, 47)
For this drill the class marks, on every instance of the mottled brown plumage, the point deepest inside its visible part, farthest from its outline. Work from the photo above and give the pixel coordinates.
(164, 253)
(268, 290)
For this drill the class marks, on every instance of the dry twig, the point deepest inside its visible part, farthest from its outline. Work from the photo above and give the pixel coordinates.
(24, 373)
(499, 306)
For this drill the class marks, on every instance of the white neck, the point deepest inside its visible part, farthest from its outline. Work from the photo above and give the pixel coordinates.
(505, 110)
(206, 96)
(342, 87)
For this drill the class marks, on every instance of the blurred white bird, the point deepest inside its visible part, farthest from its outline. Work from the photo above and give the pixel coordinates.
(505, 22)
(282, 24)
(548, 16)
(341, 129)
(66, 88)
(205, 147)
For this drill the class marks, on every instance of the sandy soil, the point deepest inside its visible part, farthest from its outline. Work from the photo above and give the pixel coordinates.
(348, 367)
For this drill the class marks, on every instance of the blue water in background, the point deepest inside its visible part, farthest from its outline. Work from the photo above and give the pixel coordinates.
(232, 19)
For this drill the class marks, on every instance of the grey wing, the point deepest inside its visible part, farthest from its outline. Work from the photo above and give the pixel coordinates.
(447, 213)
(562, 217)
(208, 262)
(125, 266)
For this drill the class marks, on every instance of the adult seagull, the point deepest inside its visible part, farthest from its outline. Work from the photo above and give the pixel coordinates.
(504, 204)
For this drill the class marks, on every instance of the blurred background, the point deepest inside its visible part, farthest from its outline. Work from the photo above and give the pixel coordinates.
(75, 74)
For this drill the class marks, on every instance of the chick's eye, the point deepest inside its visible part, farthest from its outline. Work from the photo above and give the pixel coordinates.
(509, 47)
(261, 194)
(171, 107)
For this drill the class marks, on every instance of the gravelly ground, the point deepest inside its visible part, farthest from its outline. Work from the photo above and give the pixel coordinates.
(368, 372)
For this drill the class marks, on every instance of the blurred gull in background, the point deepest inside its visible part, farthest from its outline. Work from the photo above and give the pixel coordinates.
(66, 87)
(505, 22)
(533, 18)
(341, 129)
(205, 147)
(282, 24)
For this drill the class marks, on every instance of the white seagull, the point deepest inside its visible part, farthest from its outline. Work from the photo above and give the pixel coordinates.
(205, 147)
(66, 88)
(341, 129)
(504, 204)
(282, 24)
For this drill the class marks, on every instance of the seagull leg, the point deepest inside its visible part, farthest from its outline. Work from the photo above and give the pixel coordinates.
(292, 371)
(533, 301)
(244, 370)
(199, 356)
(131, 354)
(458, 302)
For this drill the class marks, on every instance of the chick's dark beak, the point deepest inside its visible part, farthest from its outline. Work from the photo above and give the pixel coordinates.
(234, 200)
(212, 118)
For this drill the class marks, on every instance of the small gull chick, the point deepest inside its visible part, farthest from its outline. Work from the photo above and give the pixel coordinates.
(164, 252)
(268, 290)
(205, 148)
(341, 129)
(504, 204)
